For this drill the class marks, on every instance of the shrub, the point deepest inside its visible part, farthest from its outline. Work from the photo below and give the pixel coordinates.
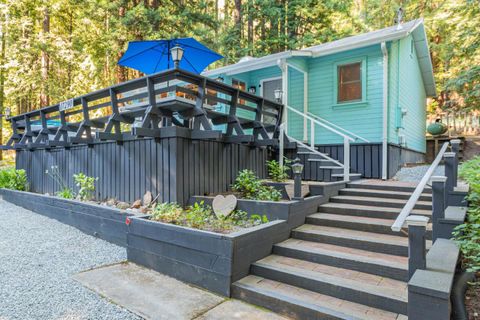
(66, 193)
(467, 235)
(86, 185)
(13, 179)
(201, 216)
(276, 172)
(250, 187)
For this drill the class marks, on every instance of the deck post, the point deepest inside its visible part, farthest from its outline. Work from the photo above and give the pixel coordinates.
(449, 158)
(417, 257)
(438, 204)
(455, 143)
(346, 159)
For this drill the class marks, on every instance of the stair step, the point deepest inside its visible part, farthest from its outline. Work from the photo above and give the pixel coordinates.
(357, 223)
(331, 167)
(299, 303)
(354, 286)
(382, 194)
(386, 265)
(368, 211)
(383, 186)
(383, 202)
(370, 241)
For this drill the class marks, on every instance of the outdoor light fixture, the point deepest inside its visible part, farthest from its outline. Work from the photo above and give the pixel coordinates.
(297, 169)
(177, 55)
(278, 94)
(252, 90)
(220, 79)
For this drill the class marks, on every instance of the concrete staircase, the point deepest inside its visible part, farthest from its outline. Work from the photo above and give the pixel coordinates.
(343, 263)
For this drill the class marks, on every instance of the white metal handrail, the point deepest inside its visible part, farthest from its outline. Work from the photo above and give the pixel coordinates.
(407, 209)
(346, 142)
(338, 127)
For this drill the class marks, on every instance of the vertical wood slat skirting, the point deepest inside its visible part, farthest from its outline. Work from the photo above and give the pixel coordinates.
(176, 168)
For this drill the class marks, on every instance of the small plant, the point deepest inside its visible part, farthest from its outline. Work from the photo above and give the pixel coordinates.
(169, 212)
(13, 179)
(276, 172)
(248, 184)
(65, 192)
(86, 186)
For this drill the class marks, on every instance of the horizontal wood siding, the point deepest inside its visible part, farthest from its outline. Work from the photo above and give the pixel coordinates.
(173, 168)
(364, 119)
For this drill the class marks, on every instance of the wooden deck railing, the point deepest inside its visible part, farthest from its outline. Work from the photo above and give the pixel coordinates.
(140, 107)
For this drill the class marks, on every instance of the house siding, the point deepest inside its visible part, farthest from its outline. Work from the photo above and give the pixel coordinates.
(407, 92)
(363, 119)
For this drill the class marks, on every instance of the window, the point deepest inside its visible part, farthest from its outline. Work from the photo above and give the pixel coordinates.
(349, 82)
(239, 85)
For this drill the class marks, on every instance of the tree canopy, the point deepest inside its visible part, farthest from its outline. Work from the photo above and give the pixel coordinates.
(52, 50)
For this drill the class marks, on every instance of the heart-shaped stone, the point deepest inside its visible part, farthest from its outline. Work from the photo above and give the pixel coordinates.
(223, 206)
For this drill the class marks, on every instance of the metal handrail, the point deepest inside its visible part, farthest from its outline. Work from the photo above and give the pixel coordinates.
(338, 127)
(407, 209)
(320, 124)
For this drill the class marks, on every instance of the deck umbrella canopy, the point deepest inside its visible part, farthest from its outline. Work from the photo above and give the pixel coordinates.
(153, 56)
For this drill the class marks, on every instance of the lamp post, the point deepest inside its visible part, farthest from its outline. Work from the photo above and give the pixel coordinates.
(177, 55)
(297, 169)
(278, 94)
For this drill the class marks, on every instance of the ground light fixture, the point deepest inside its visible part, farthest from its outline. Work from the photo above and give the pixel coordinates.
(278, 94)
(297, 169)
(177, 55)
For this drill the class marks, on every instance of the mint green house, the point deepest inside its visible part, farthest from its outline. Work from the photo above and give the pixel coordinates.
(370, 87)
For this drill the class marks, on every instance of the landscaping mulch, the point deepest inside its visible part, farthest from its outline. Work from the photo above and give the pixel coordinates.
(472, 301)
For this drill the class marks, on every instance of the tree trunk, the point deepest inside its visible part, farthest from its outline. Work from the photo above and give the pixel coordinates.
(237, 18)
(121, 72)
(44, 97)
(250, 27)
(2, 82)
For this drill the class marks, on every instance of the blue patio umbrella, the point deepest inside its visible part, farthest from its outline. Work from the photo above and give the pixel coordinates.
(155, 56)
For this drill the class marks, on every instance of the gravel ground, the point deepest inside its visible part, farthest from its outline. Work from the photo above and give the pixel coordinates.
(38, 256)
(416, 173)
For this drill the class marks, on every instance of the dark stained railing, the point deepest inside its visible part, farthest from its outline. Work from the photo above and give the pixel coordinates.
(140, 107)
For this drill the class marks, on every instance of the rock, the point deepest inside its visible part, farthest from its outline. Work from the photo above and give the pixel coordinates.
(137, 204)
(111, 202)
(147, 199)
(143, 209)
(223, 206)
(123, 205)
(289, 188)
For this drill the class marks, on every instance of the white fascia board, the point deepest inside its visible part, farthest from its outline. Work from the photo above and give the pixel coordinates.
(257, 63)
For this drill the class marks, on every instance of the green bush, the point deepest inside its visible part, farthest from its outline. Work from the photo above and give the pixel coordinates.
(276, 172)
(65, 192)
(201, 216)
(13, 179)
(467, 235)
(250, 187)
(86, 186)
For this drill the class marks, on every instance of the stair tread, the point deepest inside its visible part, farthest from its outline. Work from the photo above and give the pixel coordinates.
(355, 219)
(351, 174)
(385, 192)
(377, 199)
(370, 208)
(356, 235)
(326, 304)
(346, 278)
(366, 256)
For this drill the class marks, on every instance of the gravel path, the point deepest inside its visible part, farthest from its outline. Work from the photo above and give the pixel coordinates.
(38, 256)
(416, 173)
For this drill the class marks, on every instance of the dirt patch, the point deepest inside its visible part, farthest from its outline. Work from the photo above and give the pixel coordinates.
(471, 148)
(472, 301)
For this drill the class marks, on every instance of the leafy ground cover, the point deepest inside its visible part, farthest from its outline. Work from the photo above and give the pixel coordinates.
(201, 216)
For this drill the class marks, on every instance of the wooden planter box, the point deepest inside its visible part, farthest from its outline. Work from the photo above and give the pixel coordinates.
(100, 221)
(293, 212)
(206, 259)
